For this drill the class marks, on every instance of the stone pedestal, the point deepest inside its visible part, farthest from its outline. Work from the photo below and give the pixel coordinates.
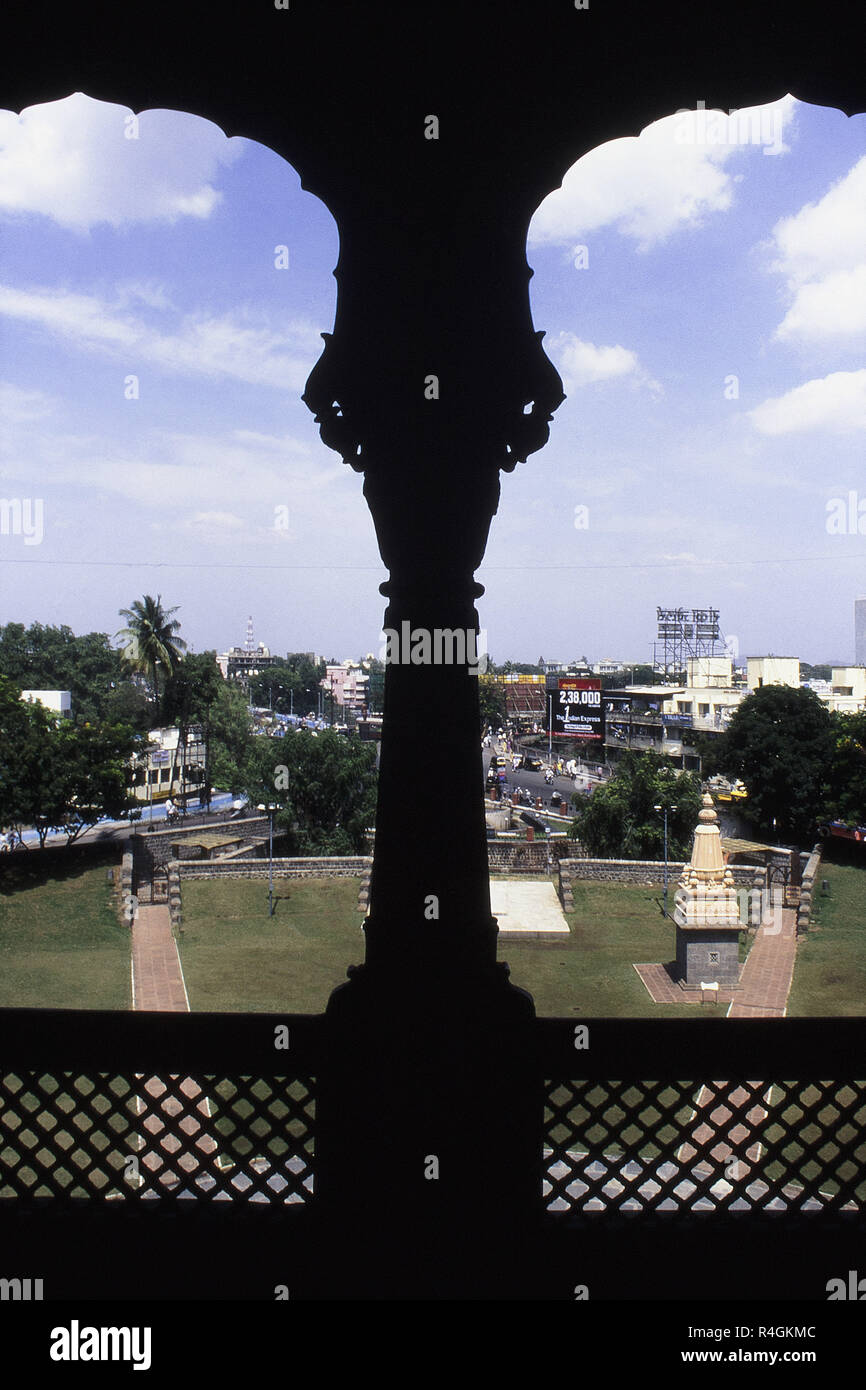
(708, 953)
(707, 912)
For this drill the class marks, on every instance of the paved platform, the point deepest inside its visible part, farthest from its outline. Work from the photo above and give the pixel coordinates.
(765, 978)
(663, 987)
(531, 911)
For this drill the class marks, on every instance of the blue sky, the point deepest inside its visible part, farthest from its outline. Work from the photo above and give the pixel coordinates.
(710, 337)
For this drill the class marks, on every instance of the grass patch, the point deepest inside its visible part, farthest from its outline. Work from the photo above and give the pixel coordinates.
(830, 968)
(236, 958)
(614, 927)
(62, 943)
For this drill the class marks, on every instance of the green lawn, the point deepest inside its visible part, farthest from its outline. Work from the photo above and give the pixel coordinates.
(62, 943)
(238, 959)
(614, 926)
(235, 958)
(830, 972)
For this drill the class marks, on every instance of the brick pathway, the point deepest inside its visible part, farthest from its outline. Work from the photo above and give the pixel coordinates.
(157, 979)
(158, 986)
(765, 982)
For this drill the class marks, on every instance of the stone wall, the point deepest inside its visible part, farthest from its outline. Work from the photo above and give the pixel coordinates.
(807, 887)
(180, 870)
(521, 856)
(333, 867)
(153, 849)
(646, 871)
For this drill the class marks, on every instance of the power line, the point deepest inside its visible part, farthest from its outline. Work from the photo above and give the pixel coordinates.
(490, 569)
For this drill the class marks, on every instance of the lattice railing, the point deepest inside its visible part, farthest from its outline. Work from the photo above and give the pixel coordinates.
(69, 1136)
(201, 1107)
(207, 1108)
(691, 1146)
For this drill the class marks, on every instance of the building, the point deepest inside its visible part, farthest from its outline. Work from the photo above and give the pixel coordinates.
(772, 670)
(847, 693)
(57, 701)
(169, 768)
(346, 683)
(239, 663)
(656, 718)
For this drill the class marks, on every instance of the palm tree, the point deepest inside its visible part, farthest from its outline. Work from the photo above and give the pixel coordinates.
(152, 645)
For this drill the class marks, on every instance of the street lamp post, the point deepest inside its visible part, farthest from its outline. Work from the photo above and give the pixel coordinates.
(665, 809)
(270, 810)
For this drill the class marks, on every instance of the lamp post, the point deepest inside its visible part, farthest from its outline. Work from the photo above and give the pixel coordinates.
(665, 809)
(270, 810)
(550, 728)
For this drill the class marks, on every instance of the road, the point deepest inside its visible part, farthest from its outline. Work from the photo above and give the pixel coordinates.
(119, 829)
(534, 783)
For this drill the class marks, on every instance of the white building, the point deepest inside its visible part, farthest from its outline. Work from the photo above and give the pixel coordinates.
(847, 693)
(57, 701)
(772, 670)
(168, 768)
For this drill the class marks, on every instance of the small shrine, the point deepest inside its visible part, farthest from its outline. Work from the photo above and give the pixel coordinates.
(706, 911)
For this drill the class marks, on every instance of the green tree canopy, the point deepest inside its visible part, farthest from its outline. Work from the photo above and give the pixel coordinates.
(290, 687)
(619, 820)
(324, 785)
(152, 645)
(58, 775)
(88, 666)
(846, 798)
(780, 743)
(491, 701)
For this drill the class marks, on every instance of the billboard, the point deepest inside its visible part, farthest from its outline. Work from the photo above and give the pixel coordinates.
(577, 707)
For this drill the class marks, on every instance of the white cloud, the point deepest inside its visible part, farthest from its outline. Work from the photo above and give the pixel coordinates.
(836, 402)
(19, 406)
(581, 363)
(669, 176)
(72, 161)
(238, 345)
(834, 307)
(821, 251)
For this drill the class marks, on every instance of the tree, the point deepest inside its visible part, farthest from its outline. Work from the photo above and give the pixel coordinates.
(26, 779)
(54, 658)
(191, 693)
(290, 686)
(619, 819)
(92, 766)
(632, 675)
(58, 775)
(780, 743)
(230, 736)
(152, 644)
(491, 701)
(846, 798)
(324, 785)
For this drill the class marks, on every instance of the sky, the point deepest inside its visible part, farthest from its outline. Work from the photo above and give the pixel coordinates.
(702, 289)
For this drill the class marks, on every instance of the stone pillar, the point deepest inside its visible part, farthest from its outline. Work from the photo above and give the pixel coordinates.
(433, 381)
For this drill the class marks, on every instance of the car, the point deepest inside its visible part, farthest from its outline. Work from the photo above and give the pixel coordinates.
(531, 762)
